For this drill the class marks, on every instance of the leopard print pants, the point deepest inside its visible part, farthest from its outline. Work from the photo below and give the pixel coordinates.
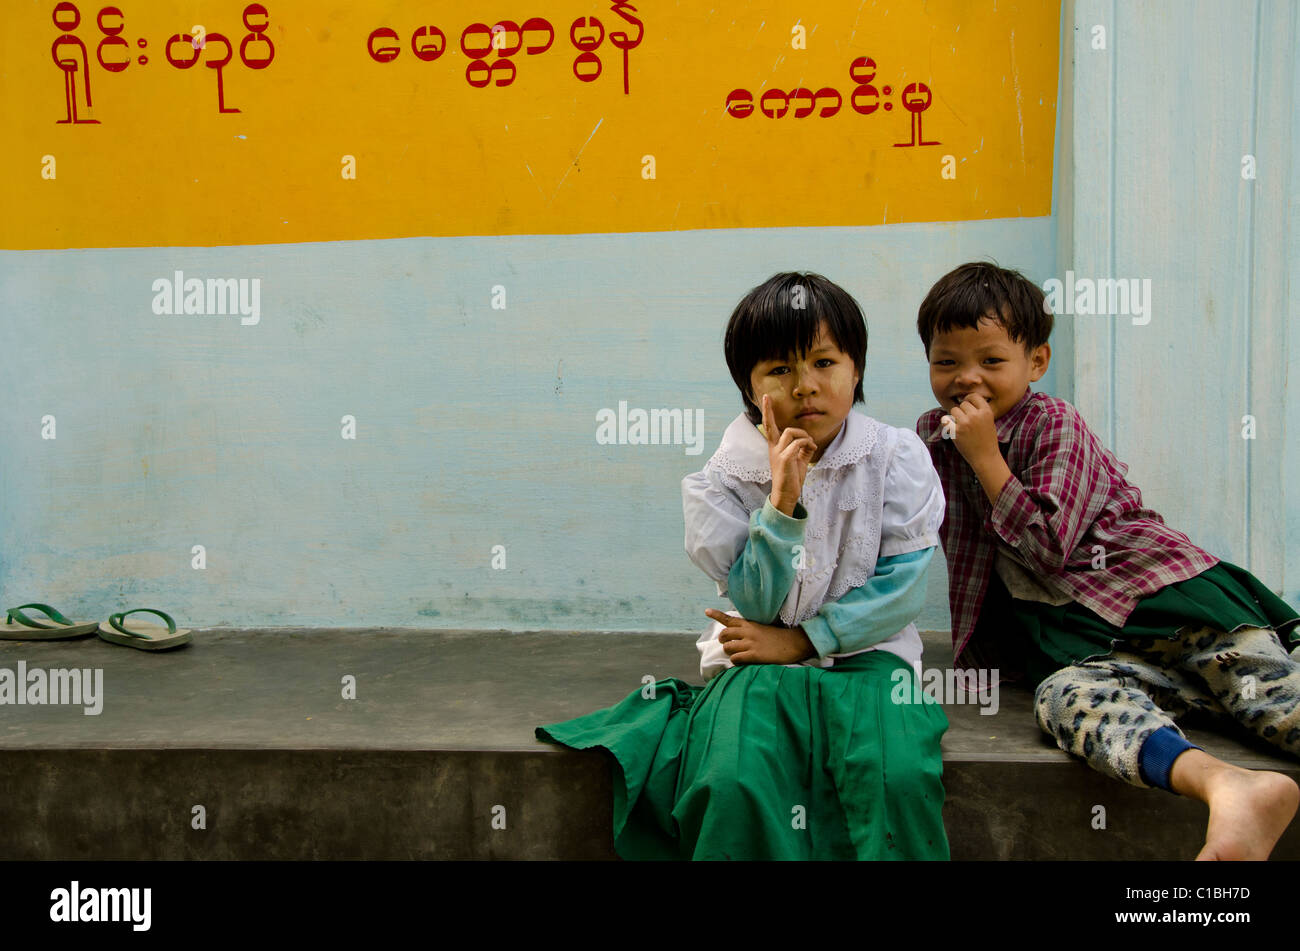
(1104, 709)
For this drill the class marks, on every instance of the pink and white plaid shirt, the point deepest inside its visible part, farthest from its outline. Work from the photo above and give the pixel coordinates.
(1066, 507)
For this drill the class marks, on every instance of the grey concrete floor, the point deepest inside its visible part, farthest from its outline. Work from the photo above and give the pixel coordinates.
(427, 690)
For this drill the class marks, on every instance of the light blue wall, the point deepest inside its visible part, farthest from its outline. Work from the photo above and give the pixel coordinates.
(1161, 120)
(477, 426)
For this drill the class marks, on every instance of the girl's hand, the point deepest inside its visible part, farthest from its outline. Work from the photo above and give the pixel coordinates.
(789, 456)
(747, 642)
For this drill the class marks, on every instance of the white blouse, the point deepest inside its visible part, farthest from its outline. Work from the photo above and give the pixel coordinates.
(874, 493)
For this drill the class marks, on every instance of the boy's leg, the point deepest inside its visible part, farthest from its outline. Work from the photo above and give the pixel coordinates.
(1105, 711)
(1252, 677)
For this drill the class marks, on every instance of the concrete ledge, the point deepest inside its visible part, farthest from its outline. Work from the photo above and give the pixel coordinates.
(252, 726)
(124, 804)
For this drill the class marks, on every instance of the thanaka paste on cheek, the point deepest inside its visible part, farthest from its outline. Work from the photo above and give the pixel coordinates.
(833, 394)
(843, 379)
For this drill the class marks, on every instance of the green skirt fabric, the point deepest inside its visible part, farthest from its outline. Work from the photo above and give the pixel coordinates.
(774, 762)
(1225, 597)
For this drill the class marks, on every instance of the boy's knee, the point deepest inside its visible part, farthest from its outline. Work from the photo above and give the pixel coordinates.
(1060, 688)
(1046, 687)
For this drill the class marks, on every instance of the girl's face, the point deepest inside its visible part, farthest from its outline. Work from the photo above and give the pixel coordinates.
(822, 380)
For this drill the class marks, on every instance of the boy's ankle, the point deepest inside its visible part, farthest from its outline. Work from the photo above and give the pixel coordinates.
(1196, 774)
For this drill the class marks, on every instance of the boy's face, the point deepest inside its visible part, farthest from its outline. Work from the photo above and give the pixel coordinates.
(986, 361)
(823, 379)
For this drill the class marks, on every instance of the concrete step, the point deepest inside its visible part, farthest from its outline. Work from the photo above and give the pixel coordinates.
(437, 753)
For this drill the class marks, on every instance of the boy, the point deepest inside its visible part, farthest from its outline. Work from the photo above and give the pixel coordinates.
(1055, 564)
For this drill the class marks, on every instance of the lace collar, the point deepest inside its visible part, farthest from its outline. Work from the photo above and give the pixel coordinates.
(743, 452)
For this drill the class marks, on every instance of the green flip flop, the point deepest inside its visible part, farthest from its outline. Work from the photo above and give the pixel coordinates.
(19, 627)
(142, 634)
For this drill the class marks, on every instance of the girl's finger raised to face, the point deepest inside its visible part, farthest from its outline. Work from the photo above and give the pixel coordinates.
(769, 420)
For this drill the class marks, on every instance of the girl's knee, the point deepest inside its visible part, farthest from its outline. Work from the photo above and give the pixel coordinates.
(916, 778)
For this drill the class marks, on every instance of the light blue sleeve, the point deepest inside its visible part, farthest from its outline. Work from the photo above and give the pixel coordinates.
(880, 608)
(762, 576)
(913, 509)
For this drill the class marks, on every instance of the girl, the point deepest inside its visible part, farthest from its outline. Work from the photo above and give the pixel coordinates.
(819, 524)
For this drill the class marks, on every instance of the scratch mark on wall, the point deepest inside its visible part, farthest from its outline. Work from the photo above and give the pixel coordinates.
(535, 181)
(1015, 79)
(574, 164)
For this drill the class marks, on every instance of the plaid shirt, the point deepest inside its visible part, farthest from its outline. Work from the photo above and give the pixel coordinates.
(1067, 493)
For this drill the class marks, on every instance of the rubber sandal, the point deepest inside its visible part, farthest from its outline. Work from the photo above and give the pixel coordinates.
(142, 634)
(19, 627)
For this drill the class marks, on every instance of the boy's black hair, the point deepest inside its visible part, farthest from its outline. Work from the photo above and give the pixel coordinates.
(965, 295)
(767, 324)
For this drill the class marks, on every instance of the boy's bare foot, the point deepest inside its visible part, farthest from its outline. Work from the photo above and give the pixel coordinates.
(1249, 809)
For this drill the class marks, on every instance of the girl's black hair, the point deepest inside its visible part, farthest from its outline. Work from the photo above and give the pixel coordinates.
(769, 323)
(965, 295)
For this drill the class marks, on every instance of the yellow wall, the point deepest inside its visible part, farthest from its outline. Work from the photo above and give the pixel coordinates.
(548, 153)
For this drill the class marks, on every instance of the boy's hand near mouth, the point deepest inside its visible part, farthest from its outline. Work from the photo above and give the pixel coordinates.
(976, 438)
